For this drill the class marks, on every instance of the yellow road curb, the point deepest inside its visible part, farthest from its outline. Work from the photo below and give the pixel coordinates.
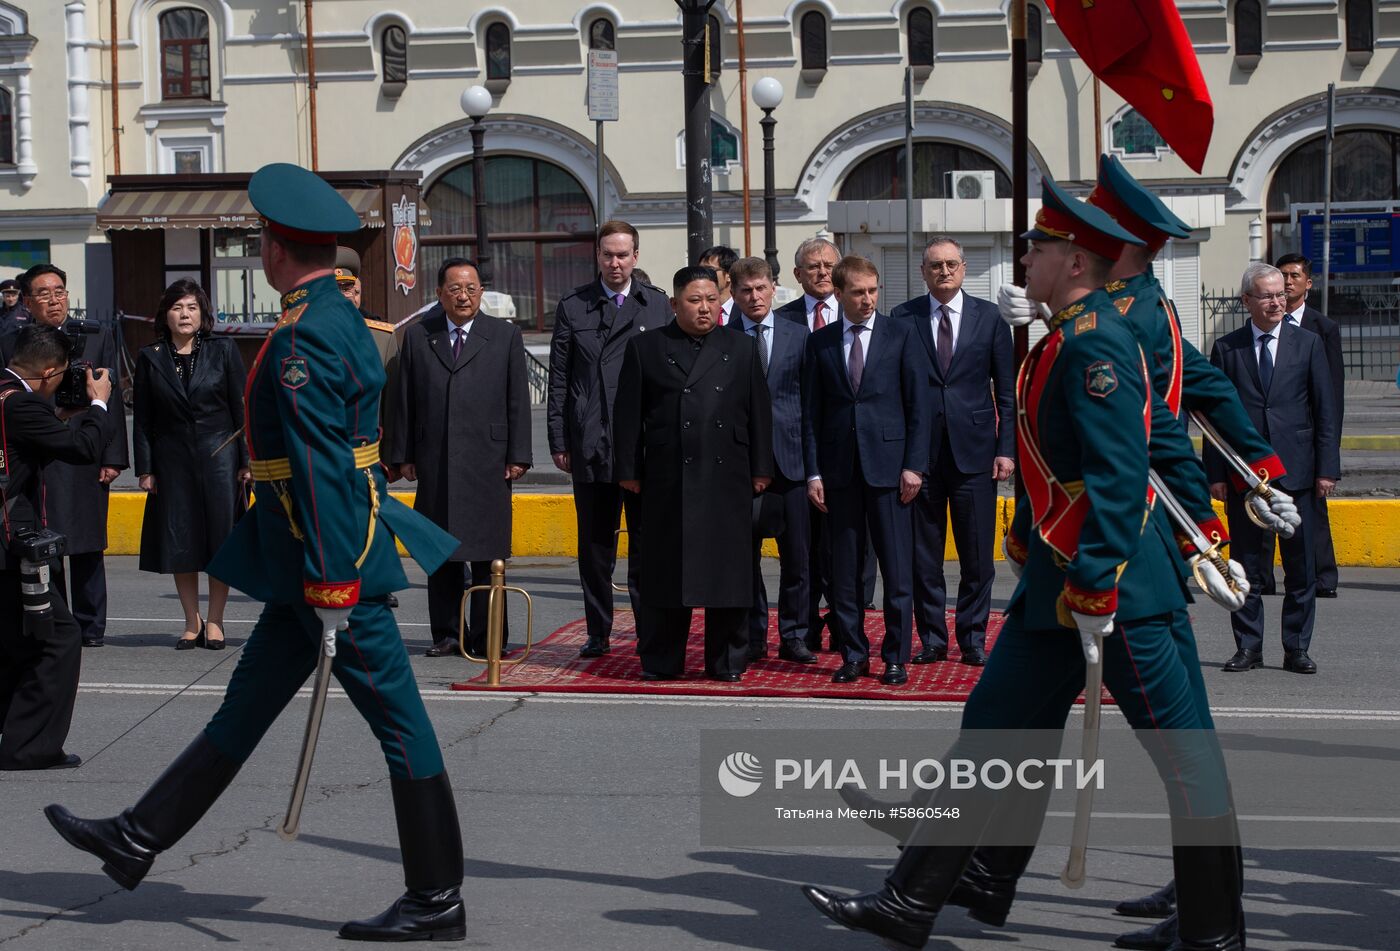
(1376, 443)
(1365, 532)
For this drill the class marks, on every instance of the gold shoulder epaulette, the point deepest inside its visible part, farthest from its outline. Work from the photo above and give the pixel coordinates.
(1086, 323)
(1073, 310)
(1113, 287)
(290, 316)
(383, 326)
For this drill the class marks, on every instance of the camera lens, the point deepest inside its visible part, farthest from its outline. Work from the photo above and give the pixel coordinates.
(34, 595)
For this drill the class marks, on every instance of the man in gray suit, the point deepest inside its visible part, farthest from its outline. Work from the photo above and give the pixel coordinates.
(782, 346)
(591, 329)
(462, 407)
(1280, 370)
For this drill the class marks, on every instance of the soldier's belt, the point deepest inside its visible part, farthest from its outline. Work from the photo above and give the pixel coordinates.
(280, 470)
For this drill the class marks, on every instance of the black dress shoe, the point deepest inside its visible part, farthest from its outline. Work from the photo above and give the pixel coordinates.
(1244, 660)
(881, 913)
(1159, 904)
(98, 642)
(894, 675)
(974, 657)
(391, 600)
(596, 647)
(1299, 662)
(726, 678)
(416, 916)
(931, 655)
(849, 673)
(1326, 592)
(796, 651)
(443, 647)
(69, 761)
(1159, 937)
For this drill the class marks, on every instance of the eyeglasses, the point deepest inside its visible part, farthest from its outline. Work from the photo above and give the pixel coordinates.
(1268, 297)
(949, 266)
(44, 297)
(455, 290)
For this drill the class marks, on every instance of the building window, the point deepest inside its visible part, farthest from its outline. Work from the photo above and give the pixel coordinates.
(1361, 26)
(602, 35)
(497, 53)
(1035, 34)
(920, 37)
(7, 128)
(881, 176)
(393, 54)
(1249, 31)
(1131, 134)
(813, 41)
(184, 54)
(714, 43)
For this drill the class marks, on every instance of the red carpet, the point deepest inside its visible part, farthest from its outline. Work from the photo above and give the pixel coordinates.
(554, 666)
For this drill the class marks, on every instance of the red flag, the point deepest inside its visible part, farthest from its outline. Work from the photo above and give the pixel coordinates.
(1141, 51)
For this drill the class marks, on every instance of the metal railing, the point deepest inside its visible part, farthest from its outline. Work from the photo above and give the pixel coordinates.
(538, 375)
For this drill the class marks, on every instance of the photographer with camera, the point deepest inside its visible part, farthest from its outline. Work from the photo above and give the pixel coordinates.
(78, 494)
(40, 643)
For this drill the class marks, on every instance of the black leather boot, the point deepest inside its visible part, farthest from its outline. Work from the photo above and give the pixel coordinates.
(1159, 937)
(903, 911)
(1209, 885)
(431, 842)
(988, 884)
(1159, 904)
(130, 842)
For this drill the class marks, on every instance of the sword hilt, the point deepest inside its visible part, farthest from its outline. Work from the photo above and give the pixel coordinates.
(495, 623)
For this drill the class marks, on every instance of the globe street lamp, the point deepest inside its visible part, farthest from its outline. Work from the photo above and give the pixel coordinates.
(476, 102)
(767, 94)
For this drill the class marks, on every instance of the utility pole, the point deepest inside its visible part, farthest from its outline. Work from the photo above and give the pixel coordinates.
(699, 227)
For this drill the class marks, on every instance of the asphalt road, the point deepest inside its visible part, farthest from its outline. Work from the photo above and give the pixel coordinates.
(581, 813)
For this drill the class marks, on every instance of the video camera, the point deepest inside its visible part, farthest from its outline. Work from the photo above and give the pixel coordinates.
(72, 392)
(35, 548)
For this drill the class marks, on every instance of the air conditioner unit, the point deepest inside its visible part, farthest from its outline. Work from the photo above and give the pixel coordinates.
(963, 184)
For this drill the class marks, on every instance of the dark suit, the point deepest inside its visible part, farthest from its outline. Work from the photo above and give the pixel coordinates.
(585, 358)
(38, 677)
(787, 352)
(1297, 417)
(968, 430)
(1331, 334)
(859, 443)
(461, 421)
(694, 426)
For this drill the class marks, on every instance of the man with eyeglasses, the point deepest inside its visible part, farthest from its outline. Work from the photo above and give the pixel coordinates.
(972, 383)
(78, 493)
(462, 432)
(1281, 373)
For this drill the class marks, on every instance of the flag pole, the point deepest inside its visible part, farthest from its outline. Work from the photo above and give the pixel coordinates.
(1327, 193)
(1020, 174)
(744, 126)
(1098, 124)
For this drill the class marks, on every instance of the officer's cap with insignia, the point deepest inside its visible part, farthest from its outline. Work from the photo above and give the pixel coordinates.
(299, 205)
(1134, 207)
(347, 265)
(1062, 218)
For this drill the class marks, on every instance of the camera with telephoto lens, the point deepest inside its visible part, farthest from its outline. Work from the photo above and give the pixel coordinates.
(35, 548)
(72, 392)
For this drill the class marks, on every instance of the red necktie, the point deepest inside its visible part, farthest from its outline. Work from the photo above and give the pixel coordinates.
(818, 321)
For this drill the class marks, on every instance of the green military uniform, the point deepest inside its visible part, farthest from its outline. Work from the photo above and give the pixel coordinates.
(318, 544)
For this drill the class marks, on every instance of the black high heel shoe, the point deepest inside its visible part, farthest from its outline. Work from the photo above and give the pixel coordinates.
(190, 643)
(209, 642)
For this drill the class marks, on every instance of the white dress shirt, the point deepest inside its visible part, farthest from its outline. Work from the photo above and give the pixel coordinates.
(810, 302)
(612, 294)
(453, 331)
(1297, 315)
(955, 309)
(727, 308)
(1272, 344)
(847, 337)
(765, 340)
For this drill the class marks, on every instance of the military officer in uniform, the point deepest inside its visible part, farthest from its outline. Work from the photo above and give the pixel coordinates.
(1097, 568)
(318, 548)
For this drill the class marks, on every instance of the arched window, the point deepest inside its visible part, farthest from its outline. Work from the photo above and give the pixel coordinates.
(7, 128)
(602, 35)
(541, 223)
(393, 54)
(881, 176)
(1131, 134)
(498, 51)
(1361, 26)
(812, 38)
(920, 37)
(184, 54)
(714, 42)
(1035, 33)
(1249, 30)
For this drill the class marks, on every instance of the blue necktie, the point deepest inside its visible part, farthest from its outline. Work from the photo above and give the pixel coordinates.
(1266, 362)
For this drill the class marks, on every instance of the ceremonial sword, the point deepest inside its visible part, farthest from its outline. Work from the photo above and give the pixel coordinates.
(288, 829)
(1207, 549)
(1257, 484)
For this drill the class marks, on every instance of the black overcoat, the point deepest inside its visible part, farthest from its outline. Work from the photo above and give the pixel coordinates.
(460, 423)
(696, 427)
(186, 440)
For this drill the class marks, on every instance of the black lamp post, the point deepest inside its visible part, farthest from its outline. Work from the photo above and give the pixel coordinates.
(476, 102)
(767, 94)
(698, 187)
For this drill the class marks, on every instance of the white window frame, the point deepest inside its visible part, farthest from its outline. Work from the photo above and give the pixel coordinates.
(168, 145)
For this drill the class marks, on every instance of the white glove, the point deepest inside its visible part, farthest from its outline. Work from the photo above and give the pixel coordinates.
(332, 620)
(1278, 512)
(1215, 587)
(1093, 628)
(1016, 308)
(1016, 566)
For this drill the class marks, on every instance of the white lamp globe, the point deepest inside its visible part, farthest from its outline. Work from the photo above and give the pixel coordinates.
(476, 101)
(767, 93)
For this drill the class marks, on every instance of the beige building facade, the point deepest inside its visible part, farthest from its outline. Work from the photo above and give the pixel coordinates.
(211, 86)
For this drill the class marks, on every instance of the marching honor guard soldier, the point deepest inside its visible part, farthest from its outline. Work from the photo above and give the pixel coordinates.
(1098, 584)
(318, 548)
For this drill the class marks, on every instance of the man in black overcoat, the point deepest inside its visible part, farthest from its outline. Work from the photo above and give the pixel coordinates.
(78, 494)
(693, 429)
(591, 329)
(463, 433)
(39, 669)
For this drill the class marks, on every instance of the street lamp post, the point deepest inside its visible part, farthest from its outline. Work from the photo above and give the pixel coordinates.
(695, 68)
(767, 94)
(476, 102)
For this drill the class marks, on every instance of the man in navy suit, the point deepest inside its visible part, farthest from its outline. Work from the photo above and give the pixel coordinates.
(865, 437)
(971, 449)
(782, 346)
(1281, 373)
